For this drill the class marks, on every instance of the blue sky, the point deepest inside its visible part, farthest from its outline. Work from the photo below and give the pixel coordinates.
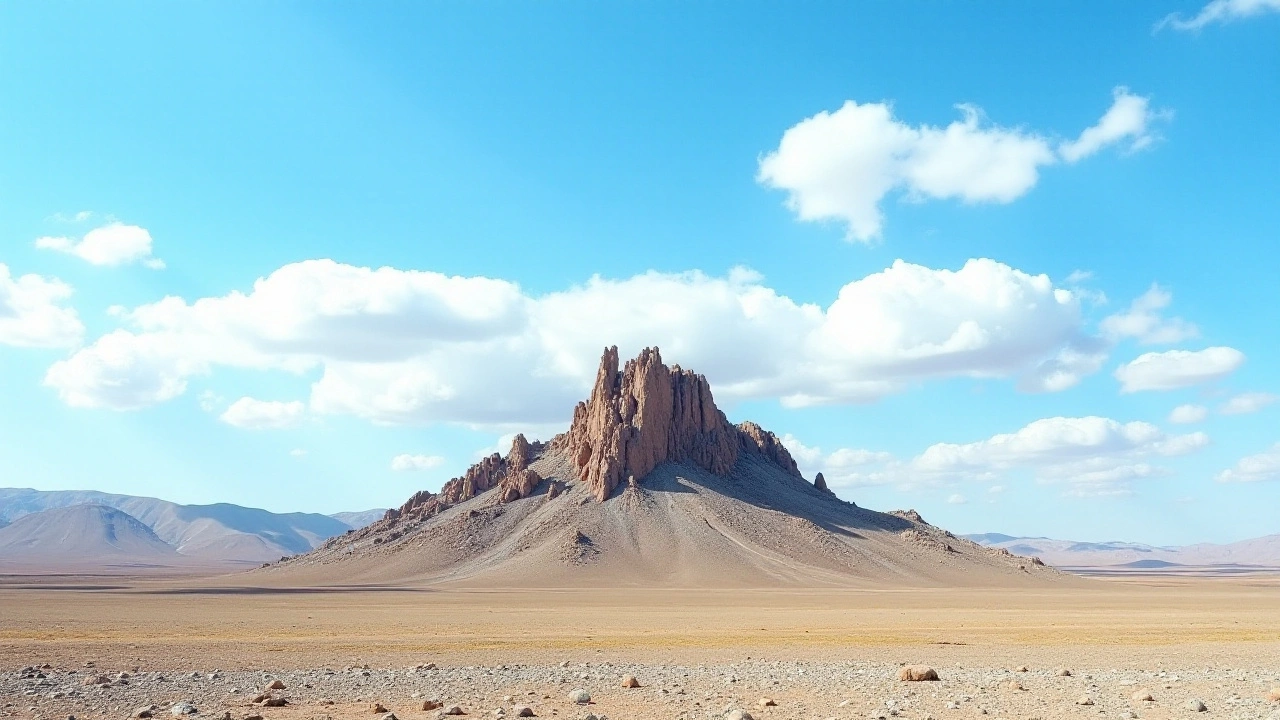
(970, 259)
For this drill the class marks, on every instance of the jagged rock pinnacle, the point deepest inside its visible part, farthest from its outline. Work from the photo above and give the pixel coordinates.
(649, 413)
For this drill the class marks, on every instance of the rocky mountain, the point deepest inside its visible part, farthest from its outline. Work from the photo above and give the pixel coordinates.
(1263, 552)
(211, 534)
(83, 536)
(359, 519)
(651, 485)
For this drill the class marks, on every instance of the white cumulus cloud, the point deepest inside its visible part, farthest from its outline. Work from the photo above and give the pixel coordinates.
(1178, 369)
(957, 499)
(1246, 403)
(1143, 321)
(405, 346)
(1090, 455)
(1128, 121)
(1219, 11)
(841, 165)
(1254, 468)
(33, 312)
(843, 467)
(415, 463)
(253, 414)
(111, 244)
(1188, 414)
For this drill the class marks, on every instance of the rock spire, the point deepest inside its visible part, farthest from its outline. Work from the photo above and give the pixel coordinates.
(648, 413)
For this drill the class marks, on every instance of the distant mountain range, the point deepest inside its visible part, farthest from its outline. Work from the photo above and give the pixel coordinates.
(55, 530)
(1258, 553)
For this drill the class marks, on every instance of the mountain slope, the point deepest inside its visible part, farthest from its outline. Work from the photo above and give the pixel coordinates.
(1256, 552)
(214, 533)
(650, 486)
(359, 519)
(82, 536)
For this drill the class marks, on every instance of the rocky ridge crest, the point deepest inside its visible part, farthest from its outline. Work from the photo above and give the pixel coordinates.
(637, 417)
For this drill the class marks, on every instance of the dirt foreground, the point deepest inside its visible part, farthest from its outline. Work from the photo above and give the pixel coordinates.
(696, 653)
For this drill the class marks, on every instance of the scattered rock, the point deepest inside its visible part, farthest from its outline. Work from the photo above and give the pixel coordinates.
(1015, 685)
(1020, 668)
(522, 711)
(737, 715)
(1274, 695)
(276, 685)
(390, 716)
(253, 716)
(629, 681)
(1084, 700)
(1195, 705)
(1143, 695)
(916, 673)
(1064, 672)
(452, 710)
(261, 697)
(275, 702)
(432, 705)
(377, 708)
(579, 696)
(767, 702)
(183, 708)
(145, 712)
(96, 680)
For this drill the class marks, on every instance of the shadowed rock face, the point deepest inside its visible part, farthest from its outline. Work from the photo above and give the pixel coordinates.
(649, 413)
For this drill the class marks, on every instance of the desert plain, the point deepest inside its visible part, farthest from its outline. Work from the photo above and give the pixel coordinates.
(216, 643)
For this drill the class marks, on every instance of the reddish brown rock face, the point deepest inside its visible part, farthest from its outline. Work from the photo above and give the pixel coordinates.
(648, 414)
(636, 418)
(512, 474)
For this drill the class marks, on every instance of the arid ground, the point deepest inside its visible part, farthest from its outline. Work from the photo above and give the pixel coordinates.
(696, 653)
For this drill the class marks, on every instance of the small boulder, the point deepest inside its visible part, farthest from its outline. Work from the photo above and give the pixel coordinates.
(522, 711)
(145, 711)
(96, 680)
(452, 710)
(1143, 695)
(1020, 668)
(1015, 685)
(738, 715)
(377, 708)
(1084, 700)
(1274, 695)
(275, 685)
(261, 697)
(274, 702)
(183, 708)
(767, 702)
(916, 673)
(579, 696)
(1194, 705)
(432, 704)
(390, 716)
(630, 681)
(1064, 672)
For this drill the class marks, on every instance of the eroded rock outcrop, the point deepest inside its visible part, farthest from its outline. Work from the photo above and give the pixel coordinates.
(648, 413)
(512, 474)
(820, 483)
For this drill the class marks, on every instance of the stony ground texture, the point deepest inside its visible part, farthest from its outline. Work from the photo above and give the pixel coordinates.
(799, 689)
(815, 653)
